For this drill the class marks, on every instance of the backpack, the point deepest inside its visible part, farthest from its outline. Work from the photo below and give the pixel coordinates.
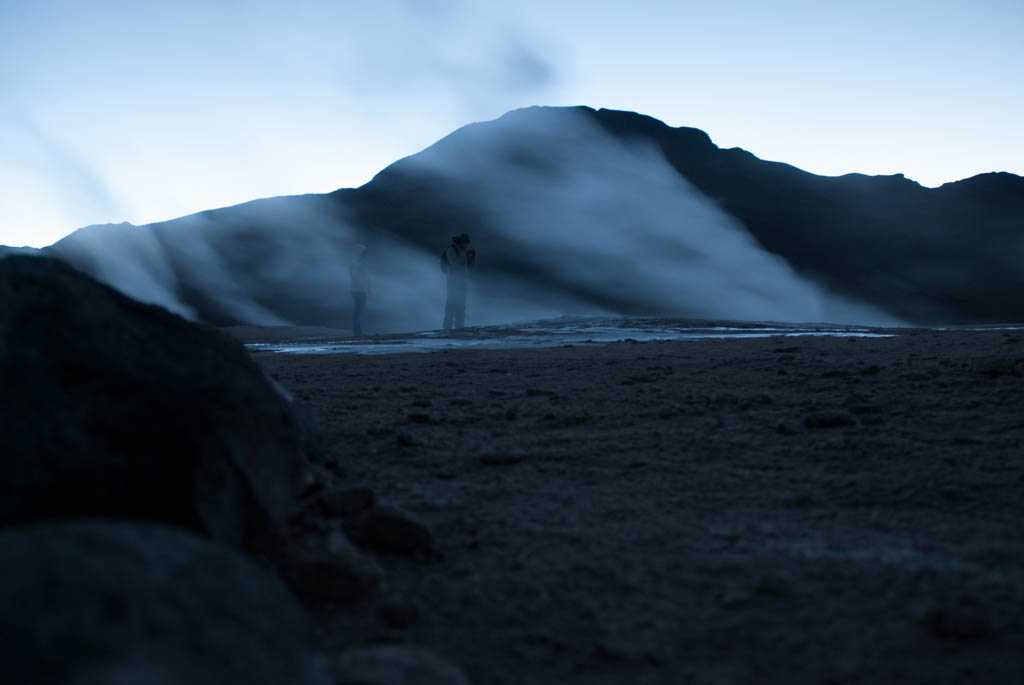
(444, 257)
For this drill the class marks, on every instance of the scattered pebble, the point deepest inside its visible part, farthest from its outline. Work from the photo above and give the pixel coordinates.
(348, 502)
(400, 613)
(340, 572)
(963, 620)
(502, 457)
(785, 428)
(828, 420)
(389, 529)
(394, 665)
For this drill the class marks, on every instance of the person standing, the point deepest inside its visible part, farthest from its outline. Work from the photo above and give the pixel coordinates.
(360, 287)
(456, 262)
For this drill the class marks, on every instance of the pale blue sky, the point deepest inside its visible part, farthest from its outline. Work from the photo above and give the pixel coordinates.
(142, 111)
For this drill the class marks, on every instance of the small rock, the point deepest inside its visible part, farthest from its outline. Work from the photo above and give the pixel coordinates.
(340, 572)
(734, 598)
(773, 587)
(797, 500)
(785, 429)
(501, 458)
(347, 503)
(962, 620)
(510, 415)
(310, 484)
(828, 420)
(1002, 367)
(615, 654)
(394, 665)
(872, 370)
(389, 529)
(405, 440)
(415, 417)
(400, 613)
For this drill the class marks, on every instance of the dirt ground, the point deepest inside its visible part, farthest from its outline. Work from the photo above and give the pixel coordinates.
(777, 510)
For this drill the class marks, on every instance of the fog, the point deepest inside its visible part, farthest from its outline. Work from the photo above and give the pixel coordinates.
(130, 259)
(570, 221)
(613, 221)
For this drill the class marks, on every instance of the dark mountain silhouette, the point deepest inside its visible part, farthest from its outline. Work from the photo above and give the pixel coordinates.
(953, 254)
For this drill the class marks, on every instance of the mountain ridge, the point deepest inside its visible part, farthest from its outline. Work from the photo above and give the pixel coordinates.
(909, 250)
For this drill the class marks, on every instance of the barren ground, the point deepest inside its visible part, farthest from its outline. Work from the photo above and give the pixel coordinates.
(781, 510)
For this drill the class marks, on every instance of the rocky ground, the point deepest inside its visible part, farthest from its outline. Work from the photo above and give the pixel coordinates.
(783, 510)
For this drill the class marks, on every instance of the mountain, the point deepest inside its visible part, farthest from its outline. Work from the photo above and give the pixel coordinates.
(576, 210)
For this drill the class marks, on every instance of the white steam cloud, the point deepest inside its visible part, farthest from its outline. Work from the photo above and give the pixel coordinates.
(615, 218)
(598, 225)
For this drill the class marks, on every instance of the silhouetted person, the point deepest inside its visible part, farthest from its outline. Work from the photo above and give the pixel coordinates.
(360, 288)
(456, 261)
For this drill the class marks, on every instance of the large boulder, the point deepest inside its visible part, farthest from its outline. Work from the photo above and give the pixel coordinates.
(116, 409)
(90, 603)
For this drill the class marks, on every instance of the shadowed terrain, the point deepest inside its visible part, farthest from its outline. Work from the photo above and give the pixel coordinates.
(775, 510)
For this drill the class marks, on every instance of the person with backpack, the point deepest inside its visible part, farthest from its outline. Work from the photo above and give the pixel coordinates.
(360, 287)
(456, 261)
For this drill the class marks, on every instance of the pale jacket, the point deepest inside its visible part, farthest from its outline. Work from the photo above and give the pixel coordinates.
(359, 276)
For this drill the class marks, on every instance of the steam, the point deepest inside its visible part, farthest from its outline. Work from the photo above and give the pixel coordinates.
(129, 259)
(615, 219)
(590, 224)
(278, 261)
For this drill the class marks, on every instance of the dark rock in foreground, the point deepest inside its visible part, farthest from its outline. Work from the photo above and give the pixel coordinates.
(120, 604)
(115, 409)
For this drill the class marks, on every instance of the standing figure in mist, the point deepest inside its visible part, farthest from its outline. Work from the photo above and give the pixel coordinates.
(360, 288)
(456, 262)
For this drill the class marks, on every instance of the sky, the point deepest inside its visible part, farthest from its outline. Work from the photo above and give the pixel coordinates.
(116, 110)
